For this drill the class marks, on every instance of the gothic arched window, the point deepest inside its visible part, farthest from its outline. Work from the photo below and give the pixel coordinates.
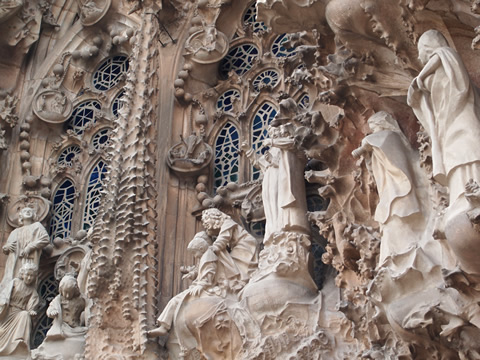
(62, 211)
(83, 115)
(261, 120)
(68, 154)
(47, 290)
(278, 48)
(93, 194)
(268, 77)
(101, 139)
(226, 100)
(239, 59)
(250, 17)
(117, 103)
(227, 146)
(109, 73)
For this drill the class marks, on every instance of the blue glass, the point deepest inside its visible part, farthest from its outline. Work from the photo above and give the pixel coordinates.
(239, 59)
(278, 48)
(62, 210)
(109, 72)
(250, 17)
(261, 120)
(83, 115)
(227, 146)
(93, 194)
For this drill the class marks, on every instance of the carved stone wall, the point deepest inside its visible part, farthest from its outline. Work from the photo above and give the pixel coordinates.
(310, 167)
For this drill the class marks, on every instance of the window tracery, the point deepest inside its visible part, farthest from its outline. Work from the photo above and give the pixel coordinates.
(268, 77)
(227, 145)
(47, 290)
(93, 194)
(261, 120)
(62, 210)
(250, 18)
(109, 73)
(83, 115)
(117, 103)
(101, 139)
(278, 48)
(68, 154)
(239, 59)
(226, 100)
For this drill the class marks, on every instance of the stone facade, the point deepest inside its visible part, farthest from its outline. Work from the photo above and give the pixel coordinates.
(219, 179)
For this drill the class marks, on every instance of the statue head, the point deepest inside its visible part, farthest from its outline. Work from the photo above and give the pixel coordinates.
(428, 43)
(212, 220)
(27, 213)
(68, 287)
(273, 131)
(28, 272)
(383, 121)
(199, 244)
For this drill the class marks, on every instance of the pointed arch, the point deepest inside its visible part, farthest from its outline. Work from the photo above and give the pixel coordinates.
(227, 145)
(62, 210)
(93, 194)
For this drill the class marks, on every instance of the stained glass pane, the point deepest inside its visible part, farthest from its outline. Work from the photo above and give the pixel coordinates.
(226, 156)
(267, 77)
(68, 154)
(83, 115)
(239, 59)
(40, 331)
(93, 197)
(109, 73)
(258, 229)
(250, 17)
(278, 48)
(260, 123)
(62, 211)
(225, 101)
(101, 139)
(304, 102)
(47, 290)
(117, 103)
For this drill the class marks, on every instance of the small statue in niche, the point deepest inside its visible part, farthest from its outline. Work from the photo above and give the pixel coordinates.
(203, 275)
(24, 245)
(401, 186)
(17, 303)
(283, 188)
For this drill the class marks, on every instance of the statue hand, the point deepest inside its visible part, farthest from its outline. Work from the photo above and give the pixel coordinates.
(53, 313)
(195, 290)
(32, 313)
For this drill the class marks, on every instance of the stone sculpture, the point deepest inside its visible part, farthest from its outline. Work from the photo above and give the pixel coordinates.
(283, 191)
(446, 103)
(203, 275)
(401, 186)
(24, 245)
(17, 305)
(241, 260)
(66, 337)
